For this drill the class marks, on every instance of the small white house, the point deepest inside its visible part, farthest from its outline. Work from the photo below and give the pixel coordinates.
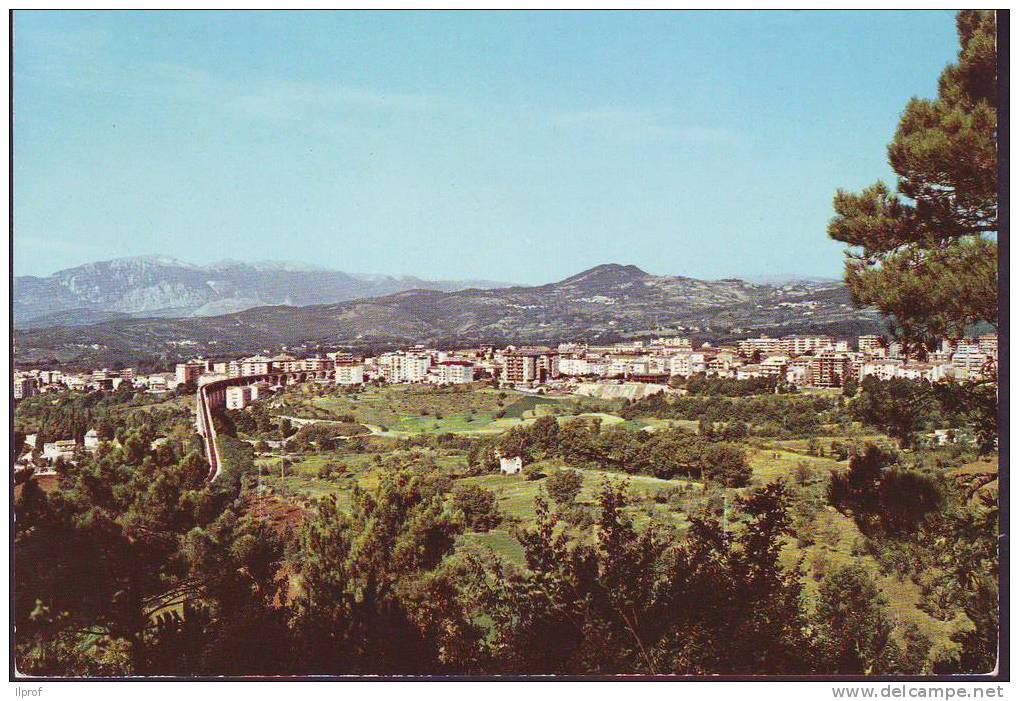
(58, 449)
(511, 466)
(92, 440)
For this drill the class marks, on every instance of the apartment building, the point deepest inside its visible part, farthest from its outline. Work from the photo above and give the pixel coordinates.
(572, 365)
(404, 367)
(519, 367)
(50, 377)
(25, 386)
(629, 365)
(723, 364)
(349, 373)
(871, 344)
(675, 342)
(988, 344)
(255, 365)
(829, 369)
(238, 397)
(805, 345)
(764, 345)
(687, 364)
(968, 362)
(58, 450)
(775, 366)
(317, 364)
(452, 372)
(798, 374)
(190, 371)
(92, 440)
(749, 371)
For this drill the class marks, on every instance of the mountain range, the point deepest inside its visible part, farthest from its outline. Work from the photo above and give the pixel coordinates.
(606, 303)
(159, 286)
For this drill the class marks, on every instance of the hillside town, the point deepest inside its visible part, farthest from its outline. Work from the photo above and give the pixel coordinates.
(630, 370)
(510, 346)
(803, 361)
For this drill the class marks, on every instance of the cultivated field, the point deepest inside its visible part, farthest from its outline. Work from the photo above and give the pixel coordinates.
(416, 409)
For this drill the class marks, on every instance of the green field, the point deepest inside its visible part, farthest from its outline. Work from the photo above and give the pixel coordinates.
(826, 539)
(400, 418)
(416, 409)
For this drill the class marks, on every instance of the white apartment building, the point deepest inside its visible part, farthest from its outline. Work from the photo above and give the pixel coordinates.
(316, 364)
(802, 345)
(238, 397)
(572, 348)
(58, 449)
(255, 365)
(573, 366)
(988, 344)
(775, 366)
(50, 377)
(968, 362)
(871, 344)
(913, 371)
(764, 344)
(724, 364)
(403, 367)
(452, 372)
(676, 342)
(629, 366)
(799, 375)
(658, 364)
(75, 382)
(748, 371)
(687, 364)
(92, 440)
(881, 369)
(348, 373)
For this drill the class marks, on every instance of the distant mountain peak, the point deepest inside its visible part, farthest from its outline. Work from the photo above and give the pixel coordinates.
(150, 259)
(163, 286)
(290, 266)
(606, 303)
(608, 273)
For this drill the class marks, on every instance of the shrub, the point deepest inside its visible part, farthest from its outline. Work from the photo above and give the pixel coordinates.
(727, 465)
(564, 486)
(478, 505)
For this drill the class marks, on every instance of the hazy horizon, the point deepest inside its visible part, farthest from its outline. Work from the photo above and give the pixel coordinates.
(520, 147)
(465, 277)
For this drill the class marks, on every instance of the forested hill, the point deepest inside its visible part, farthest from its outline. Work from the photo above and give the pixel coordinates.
(608, 302)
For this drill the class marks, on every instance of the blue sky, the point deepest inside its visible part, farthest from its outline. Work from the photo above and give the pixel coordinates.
(510, 146)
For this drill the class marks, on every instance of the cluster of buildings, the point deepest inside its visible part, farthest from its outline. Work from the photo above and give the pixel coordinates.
(31, 382)
(801, 360)
(50, 453)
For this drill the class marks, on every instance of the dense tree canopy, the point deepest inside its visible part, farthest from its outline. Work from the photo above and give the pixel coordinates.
(926, 255)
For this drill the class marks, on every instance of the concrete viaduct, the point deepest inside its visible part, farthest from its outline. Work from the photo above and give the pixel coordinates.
(212, 394)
